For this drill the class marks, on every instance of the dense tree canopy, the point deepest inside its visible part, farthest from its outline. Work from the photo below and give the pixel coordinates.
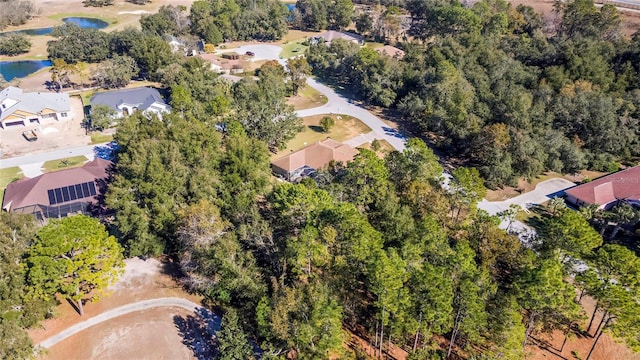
(498, 91)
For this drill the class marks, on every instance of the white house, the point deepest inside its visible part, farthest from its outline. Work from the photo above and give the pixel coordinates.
(18, 108)
(127, 101)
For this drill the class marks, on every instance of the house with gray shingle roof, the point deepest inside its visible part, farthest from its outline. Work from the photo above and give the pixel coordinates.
(127, 101)
(20, 108)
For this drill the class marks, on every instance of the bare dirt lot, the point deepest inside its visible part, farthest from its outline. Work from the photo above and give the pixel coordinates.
(151, 334)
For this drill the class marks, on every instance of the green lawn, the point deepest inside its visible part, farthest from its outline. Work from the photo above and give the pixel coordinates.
(307, 98)
(100, 138)
(59, 164)
(293, 48)
(7, 176)
(346, 127)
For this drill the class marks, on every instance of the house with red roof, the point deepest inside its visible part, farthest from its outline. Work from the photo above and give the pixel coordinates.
(608, 190)
(60, 193)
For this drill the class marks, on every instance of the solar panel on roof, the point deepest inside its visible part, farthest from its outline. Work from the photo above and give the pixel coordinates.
(92, 188)
(58, 193)
(72, 192)
(79, 191)
(65, 193)
(85, 190)
(52, 198)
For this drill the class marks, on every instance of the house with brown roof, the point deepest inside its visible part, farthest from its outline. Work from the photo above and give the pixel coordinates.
(390, 51)
(60, 193)
(313, 157)
(608, 190)
(20, 108)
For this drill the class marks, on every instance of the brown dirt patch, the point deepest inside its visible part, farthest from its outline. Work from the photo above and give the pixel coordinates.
(151, 331)
(149, 334)
(547, 347)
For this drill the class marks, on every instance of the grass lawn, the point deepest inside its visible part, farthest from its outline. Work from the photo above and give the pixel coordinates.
(75, 161)
(385, 147)
(346, 127)
(307, 98)
(293, 48)
(7, 176)
(373, 45)
(100, 138)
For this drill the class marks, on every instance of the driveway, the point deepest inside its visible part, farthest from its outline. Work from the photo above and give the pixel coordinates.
(544, 191)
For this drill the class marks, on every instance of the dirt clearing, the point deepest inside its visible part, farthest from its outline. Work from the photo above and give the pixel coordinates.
(161, 333)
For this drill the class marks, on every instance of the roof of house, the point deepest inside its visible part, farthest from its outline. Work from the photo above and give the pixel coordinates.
(391, 51)
(331, 35)
(316, 155)
(623, 184)
(142, 97)
(33, 102)
(34, 191)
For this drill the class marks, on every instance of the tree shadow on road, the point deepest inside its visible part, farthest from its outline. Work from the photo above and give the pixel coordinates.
(198, 332)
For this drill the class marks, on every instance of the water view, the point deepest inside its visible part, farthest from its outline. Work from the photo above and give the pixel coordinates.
(83, 22)
(19, 69)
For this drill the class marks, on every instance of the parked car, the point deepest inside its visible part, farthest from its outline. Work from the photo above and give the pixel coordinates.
(250, 53)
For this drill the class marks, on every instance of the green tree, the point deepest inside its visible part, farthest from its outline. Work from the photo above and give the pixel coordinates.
(298, 69)
(570, 233)
(17, 310)
(14, 44)
(340, 14)
(75, 257)
(232, 341)
(545, 295)
(180, 98)
(467, 189)
(327, 123)
(60, 72)
(102, 116)
(116, 72)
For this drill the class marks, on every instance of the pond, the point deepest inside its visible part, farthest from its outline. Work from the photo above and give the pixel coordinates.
(83, 22)
(19, 69)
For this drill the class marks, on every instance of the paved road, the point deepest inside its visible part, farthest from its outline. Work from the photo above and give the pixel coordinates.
(124, 310)
(87, 151)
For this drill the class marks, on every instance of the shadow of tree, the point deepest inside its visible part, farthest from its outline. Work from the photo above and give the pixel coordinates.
(198, 332)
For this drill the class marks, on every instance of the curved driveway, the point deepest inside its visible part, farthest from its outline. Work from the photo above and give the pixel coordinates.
(123, 310)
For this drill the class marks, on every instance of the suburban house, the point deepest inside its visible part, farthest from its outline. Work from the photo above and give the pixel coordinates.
(329, 36)
(608, 190)
(391, 51)
(60, 193)
(311, 158)
(20, 108)
(127, 101)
